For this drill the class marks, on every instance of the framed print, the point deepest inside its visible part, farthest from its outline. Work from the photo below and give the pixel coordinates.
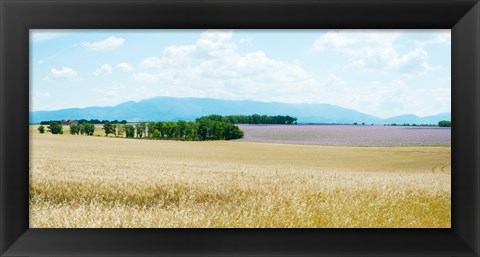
(155, 128)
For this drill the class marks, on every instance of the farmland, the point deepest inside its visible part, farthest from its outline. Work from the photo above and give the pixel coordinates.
(348, 135)
(81, 181)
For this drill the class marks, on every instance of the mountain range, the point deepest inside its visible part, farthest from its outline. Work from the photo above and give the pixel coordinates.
(187, 108)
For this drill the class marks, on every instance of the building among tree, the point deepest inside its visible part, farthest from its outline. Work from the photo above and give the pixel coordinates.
(69, 122)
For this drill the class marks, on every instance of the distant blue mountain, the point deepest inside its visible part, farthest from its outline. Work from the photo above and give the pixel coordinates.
(410, 118)
(186, 108)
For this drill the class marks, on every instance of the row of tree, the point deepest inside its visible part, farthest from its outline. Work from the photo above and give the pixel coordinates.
(57, 128)
(412, 125)
(251, 119)
(442, 123)
(82, 121)
(181, 130)
(54, 128)
(82, 129)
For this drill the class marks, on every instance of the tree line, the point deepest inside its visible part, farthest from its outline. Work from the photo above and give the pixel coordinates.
(82, 121)
(410, 125)
(442, 123)
(181, 130)
(81, 129)
(251, 119)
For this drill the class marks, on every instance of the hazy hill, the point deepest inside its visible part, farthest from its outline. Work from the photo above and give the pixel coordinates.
(172, 109)
(410, 118)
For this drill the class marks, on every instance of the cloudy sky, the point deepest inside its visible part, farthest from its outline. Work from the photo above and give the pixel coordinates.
(379, 72)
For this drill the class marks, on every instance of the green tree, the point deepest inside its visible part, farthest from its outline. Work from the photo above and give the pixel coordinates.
(129, 131)
(170, 128)
(74, 129)
(159, 126)
(191, 131)
(55, 128)
(87, 129)
(203, 129)
(109, 128)
(290, 120)
(152, 126)
(156, 134)
(181, 129)
(444, 123)
(218, 131)
(41, 129)
(232, 132)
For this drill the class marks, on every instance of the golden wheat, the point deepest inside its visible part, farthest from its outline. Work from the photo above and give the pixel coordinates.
(80, 181)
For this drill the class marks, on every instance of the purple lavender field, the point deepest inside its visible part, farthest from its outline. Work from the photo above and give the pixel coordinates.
(347, 135)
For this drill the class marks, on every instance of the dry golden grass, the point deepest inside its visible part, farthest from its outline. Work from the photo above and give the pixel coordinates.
(79, 181)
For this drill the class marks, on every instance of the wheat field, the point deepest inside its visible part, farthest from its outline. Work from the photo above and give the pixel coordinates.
(93, 182)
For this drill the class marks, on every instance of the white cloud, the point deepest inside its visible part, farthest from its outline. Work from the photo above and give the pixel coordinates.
(116, 94)
(36, 96)
(214, 57)
(48, 107)
(104, 45)
(40, 35)
(179, 51)
(355, 42)
(385, 99)
(373, 50)
(45, 94)
(125, 67)
(216, 42)
(172, 56)
(63, 73)
(214, 61)
(146, 77)
(105, 68)
(397, 97)
(443, 37)
(110, 91)
(246, 41)
(412, 62)
(151, 62)
(211, 44)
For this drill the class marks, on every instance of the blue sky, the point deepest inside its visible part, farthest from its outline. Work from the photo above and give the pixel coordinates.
(379, 72)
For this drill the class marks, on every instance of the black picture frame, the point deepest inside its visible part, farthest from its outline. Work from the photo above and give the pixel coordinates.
(18, 16)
